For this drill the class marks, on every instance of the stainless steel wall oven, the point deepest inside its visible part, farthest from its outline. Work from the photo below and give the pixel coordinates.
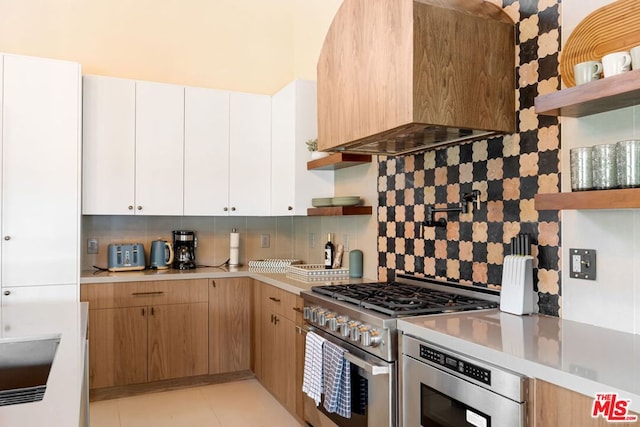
(442, 388)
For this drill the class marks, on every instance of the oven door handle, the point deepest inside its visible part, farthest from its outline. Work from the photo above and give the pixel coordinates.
(368, 367)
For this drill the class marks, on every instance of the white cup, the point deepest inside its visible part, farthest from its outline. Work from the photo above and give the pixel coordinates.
(616, 63)
(587, 71)
(635, 58)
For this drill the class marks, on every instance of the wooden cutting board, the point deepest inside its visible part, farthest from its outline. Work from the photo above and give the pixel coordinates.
(612, 28)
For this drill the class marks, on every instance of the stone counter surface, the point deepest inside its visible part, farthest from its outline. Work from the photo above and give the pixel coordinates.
(279, 280)
(584, 358)
(61, 405)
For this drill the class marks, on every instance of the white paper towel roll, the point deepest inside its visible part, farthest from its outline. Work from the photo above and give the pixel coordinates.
(234, 247)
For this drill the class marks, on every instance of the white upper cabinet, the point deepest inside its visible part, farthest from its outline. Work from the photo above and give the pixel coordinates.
(40, 170)
(109, 132)
(159, 148)
(133, 135)
(206, 152)
(250, 155)
(294, 121)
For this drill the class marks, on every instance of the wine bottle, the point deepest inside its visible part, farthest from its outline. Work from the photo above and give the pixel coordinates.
(329, 252)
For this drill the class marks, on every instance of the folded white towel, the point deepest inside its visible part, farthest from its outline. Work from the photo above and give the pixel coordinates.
(312, 379)
(337, 380)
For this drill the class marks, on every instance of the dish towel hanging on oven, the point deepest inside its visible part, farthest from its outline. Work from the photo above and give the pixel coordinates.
(337, 380)
(312, 379)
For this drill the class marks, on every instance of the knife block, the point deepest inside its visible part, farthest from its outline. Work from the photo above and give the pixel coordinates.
(516, 295)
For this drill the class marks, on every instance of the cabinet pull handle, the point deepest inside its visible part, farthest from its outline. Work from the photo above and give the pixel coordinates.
(274, 299)
(141, 294)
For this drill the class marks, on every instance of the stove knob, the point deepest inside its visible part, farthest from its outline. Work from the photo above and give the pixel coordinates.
(370, 338)
(354, 330)
(320, 316)
(343, 325)
(313, 315)
(323, 315)
(327, 318)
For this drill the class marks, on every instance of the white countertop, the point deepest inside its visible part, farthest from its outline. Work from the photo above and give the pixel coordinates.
(279, 280)
(60, 406)
(584, 358)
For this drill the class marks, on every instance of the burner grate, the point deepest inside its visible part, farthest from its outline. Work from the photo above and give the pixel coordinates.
(398, 299)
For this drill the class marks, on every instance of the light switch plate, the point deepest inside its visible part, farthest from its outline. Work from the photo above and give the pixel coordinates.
(582, 264)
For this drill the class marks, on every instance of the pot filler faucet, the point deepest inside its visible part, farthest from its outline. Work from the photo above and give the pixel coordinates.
(473, 197)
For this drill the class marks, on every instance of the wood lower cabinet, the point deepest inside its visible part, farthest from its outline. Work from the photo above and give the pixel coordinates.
(276, 345)
(229, 325)
(146, 331)
(557, 406)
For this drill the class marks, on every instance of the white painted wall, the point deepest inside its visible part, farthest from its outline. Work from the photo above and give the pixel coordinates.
(613, 300)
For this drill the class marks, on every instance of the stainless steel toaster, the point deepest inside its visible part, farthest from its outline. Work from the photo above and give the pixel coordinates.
(126, 256)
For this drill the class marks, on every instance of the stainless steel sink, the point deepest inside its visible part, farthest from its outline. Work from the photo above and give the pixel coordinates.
(25, 364)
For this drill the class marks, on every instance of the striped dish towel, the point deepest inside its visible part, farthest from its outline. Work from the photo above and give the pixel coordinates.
(337, 380)
(312, 379)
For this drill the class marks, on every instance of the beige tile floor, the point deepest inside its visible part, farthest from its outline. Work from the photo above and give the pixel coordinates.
(236, 404)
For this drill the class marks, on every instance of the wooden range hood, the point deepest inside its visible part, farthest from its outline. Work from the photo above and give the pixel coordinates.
(401, 76)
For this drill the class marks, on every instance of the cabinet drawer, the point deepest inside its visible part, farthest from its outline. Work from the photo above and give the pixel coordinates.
(279, 301)
(136, 294)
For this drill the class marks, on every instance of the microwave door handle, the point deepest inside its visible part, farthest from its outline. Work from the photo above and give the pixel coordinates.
(368, 367)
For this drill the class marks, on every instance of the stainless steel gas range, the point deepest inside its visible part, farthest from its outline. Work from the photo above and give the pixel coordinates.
(361, 318)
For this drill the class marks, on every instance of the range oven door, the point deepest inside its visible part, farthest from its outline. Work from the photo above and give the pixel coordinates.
(374, 401)
(432, 397)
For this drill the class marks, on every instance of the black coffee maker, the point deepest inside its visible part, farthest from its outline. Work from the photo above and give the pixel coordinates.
(184, 250)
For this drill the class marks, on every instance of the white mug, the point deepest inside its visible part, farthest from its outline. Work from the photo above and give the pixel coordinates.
(616, 63)
(635, 58)
(588, 71)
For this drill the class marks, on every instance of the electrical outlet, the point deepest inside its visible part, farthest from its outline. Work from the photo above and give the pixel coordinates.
(92, 246)
(582, 264)
(264, 241)
(312, 240)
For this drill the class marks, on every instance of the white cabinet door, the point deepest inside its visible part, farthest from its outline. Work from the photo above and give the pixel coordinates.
(29, 294)
(40, 171)
(294, 121)
(159, 148)
(108, 146)
(250, 154)
(206, 152)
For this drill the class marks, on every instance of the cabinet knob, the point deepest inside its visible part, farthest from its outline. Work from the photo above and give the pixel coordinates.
(289, 208)
(225, 209)
(7, 237)
(7, 293)
(233, 209)
(139, 208)
(130, 207)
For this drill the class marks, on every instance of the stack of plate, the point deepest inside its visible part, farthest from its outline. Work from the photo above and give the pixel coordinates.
(335, 201)
(346, 201)
(321, 202)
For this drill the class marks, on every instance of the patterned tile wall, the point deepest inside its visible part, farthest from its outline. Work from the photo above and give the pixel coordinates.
(508, 171)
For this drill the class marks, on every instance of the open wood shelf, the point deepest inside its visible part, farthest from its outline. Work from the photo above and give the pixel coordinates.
(607, 94)
(338, 161)
(340, 210)
(626, 198)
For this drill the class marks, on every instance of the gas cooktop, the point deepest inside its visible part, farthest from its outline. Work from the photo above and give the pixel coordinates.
(397, 299)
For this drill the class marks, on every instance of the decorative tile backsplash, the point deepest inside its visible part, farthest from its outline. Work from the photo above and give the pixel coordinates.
(508, 170)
